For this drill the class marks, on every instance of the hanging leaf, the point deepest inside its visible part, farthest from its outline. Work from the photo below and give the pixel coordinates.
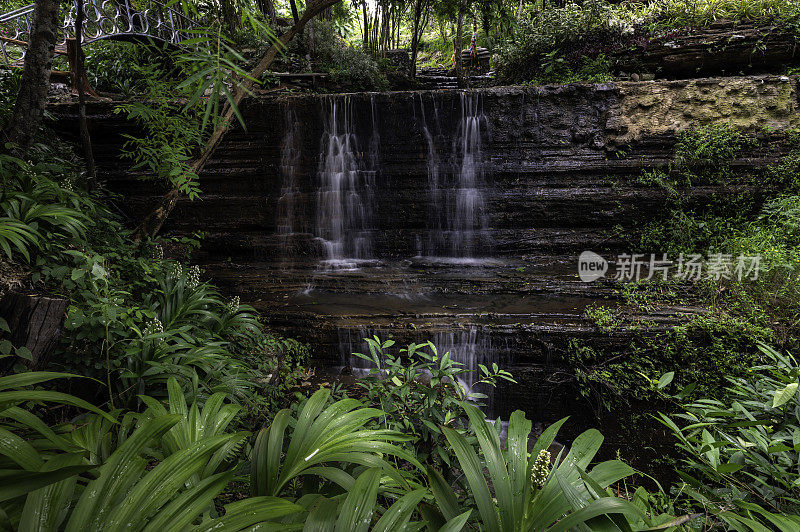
(665, 380)
(784, 396)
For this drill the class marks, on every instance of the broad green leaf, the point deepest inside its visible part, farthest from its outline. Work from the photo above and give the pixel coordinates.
(604, 506)
(16, 483)
(117, 475)
(322, 516)
(19, 451)
(356, 512)
(457, 523)
(398, 515)
(785, 395)
(21, 380)
(665, 380)
(474, 473)
(44, 508)
(185, 508)
(242, 515)
(444, 494)
(510, 512)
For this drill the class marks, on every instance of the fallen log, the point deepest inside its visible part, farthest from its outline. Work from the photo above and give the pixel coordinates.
(724, 48)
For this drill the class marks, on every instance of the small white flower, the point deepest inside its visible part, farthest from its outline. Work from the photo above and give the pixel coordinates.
(157, 252)
(154, 326)
(540, 469)
(233, 306)
(174, 269)
(193, 277)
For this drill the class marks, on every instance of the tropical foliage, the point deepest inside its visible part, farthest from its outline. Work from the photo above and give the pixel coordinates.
(185, 413)
(741, 453)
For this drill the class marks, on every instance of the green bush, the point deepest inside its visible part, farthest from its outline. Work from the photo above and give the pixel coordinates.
(420, 390)
(558, 42)
(124, 68)
(134, 320)
(348, 65)
(9, 87)
(741, 453)
(541, 49)
(682, 13)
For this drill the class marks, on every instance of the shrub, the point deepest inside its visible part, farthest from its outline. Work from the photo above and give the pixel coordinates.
(420, 391)
(348, 65)
(42, 487)
(562, 41)
(9, 87)
(741, 452)
(532, 492)
(681, 13)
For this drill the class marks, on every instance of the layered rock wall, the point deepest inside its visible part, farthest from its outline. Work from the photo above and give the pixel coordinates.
(561, 161)
(559, 167)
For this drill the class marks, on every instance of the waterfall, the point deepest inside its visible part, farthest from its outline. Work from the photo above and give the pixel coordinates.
(288, 200)
(437, 213)
(457, 227)
(469, 222)
(344, 221)
(351, 340)
(469, 347)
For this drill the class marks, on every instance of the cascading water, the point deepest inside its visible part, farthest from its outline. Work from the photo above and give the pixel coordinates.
(437, 215)
(458, 226)
(469, 347)
(288, 200)
(346, 189)
(351, 341)
(472, 347)
(469, 222)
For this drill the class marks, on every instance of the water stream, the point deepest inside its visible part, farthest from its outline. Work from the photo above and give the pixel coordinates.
(458, 221)
(345, 222)
(289, 196)
(345, 197)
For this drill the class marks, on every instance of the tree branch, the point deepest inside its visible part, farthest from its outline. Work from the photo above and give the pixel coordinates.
(153, 222)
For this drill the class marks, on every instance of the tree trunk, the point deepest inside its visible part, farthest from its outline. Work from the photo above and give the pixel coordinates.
(268, 8)
(229, 14)
(153, 222)
(32, 95)
(295, 16)
(312, 48)
(86, 139)
(366, 24)
(486, 19)
(419, 28)
(459, 43)
(35, 322)
(442, 30)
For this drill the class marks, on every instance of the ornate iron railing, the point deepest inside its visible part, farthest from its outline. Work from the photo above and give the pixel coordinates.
(110, 19)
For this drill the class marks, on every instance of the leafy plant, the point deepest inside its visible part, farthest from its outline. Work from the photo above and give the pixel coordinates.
(42, 483)
(529, 492)
(171, 136)
(36, 211)
(196, 424)
(420, 392)
(741, 453)
(321, 435)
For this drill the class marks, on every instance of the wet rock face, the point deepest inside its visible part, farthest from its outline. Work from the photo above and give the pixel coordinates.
(474, 208)
(555, 159)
